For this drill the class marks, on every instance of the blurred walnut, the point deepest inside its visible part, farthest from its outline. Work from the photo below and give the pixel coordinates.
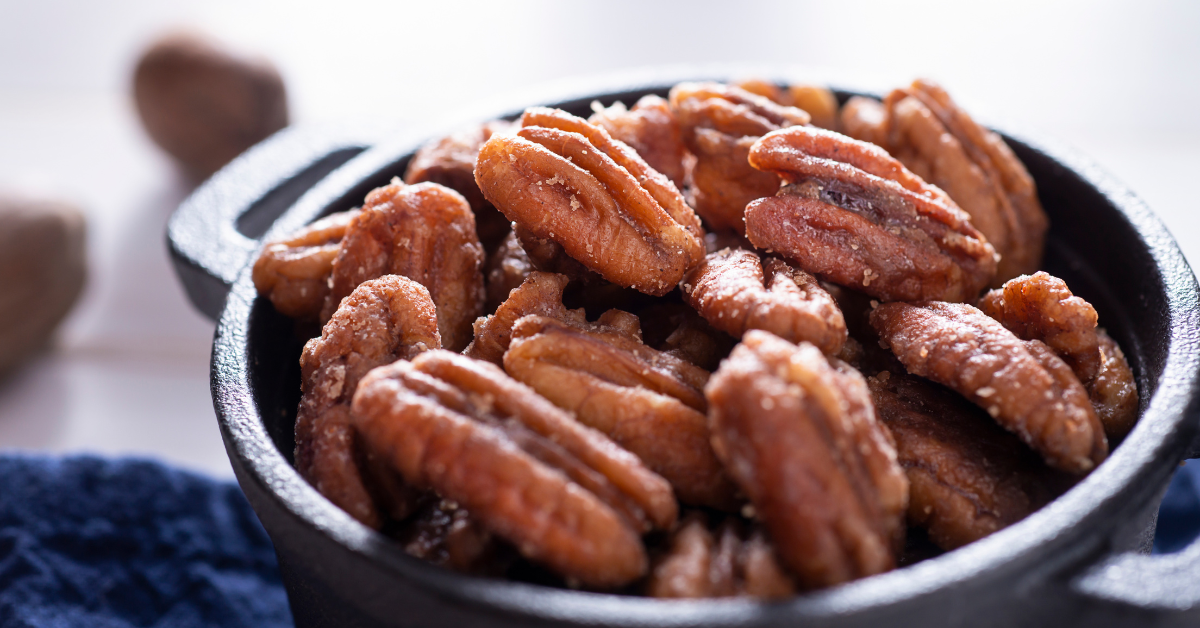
(42, 270)
(204, 105)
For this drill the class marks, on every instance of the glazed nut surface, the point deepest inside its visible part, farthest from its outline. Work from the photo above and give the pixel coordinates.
(728, 559)
(800, 436)
(563, 494)
(541, 294)
(293, 272)
(568, 181)
(425, 232)
(650, 129)
(854, 216)
(735, 291)
(1022, 384)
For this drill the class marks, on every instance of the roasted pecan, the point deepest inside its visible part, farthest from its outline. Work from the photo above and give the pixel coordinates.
(562, 493)
(650, 129)
(817, 101)
(450, 161)
(935, 138)
(967, 477)
(733, 293)
(1022, 384)
(383, 320)
(1041, 307)
(647, 401)
(854, 216)
(719, 124)
(425, 232)
(445, 534)
(506, 270)
(799, 435)
(293, 272)
(677, 329)
(568, 181)
(540, 293)
(728, 559)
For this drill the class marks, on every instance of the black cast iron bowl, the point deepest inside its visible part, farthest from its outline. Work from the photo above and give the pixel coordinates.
(1082, 559)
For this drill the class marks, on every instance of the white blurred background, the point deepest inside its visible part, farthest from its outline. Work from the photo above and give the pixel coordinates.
(1118, 80)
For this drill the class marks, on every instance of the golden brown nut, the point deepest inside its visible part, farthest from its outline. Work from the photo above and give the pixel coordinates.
(650, 129)
(506, 270)
(450, 161)
(383, 320)
(204, 105)
(646, 401)
(718, 561)
(522, 467)
(1022, 384)
(854, 216)
(799, 435)
(967, 477)
(294, 271)
(817, 101)
(445, 534)
(720, 123)
(1041, 307)
(568, 181)
(733, 293)
(540, 293)
(425, 232)
(922, 127)
(676, 329)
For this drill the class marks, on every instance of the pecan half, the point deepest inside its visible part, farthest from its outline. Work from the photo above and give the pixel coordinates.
(967, 477)
(647, 401)
(1022, 384)
(799, 435)
(445, 534)
(568, 181)
(383, 320)
(723, 560)
(734, 291)
(720, 123)
(506, 270)
(293, 272)
(425, 232)
(677, 329)
(924, 128)
(650, 129)
(1042, 307)
(854, 216)
(540, 293)
(816, 100)
(562, 493)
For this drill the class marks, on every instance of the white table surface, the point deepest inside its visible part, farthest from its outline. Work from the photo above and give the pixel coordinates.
(1120, 81)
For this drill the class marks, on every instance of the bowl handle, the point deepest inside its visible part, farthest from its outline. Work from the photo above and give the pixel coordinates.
(216, 230)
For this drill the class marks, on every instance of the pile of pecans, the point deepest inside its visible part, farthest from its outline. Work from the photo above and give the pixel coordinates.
(698, 347)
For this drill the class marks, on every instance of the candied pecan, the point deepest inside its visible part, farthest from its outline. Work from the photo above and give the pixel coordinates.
(1022, 384)
(540, 293)
(865, 119)
(647, 401)
(383, 320)
(568, 181)
(651, 130)
(799, 435)
(817, 101)
(506, 270)
(676, 329)
(731, 562)
(967, 477)
(425, 232)
(719, 124)
(562, 493)
(734, 293)
(446, 535)
(294, 271)
(450, 161)
(1041, 307)
(854, 216)
(935, 138)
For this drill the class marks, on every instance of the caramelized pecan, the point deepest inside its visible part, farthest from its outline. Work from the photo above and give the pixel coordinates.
(445, 534)
(733, 293)
(854, 216)
(506, 270)
(816, 100)
(1113, 391)
(799, 435)
(294, 271)
(540, 293)
(725, 560)
(425, 232)
(1022, 384)
(650, 129)
(677, 329)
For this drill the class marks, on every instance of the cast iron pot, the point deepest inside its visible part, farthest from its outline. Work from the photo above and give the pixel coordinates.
(1081, 560)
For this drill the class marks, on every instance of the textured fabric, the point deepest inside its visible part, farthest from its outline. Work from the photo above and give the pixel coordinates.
(122, 543)
(1179, 514)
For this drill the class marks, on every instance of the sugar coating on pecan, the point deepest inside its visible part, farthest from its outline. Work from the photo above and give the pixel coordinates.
(565, 180)
(967, 476)
(1114, 391)
(800, 436)
(450, 161)
(924, 128)
(562, 493)
(647, 401)
(293, 272)
(383, 320)
(540, 293)
(727, 559)
(720, 123)
(816, 100)
(650, 129)
(425, 232)
(854, 216)
(505, 271)
(735, 291)
(1022, 384)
